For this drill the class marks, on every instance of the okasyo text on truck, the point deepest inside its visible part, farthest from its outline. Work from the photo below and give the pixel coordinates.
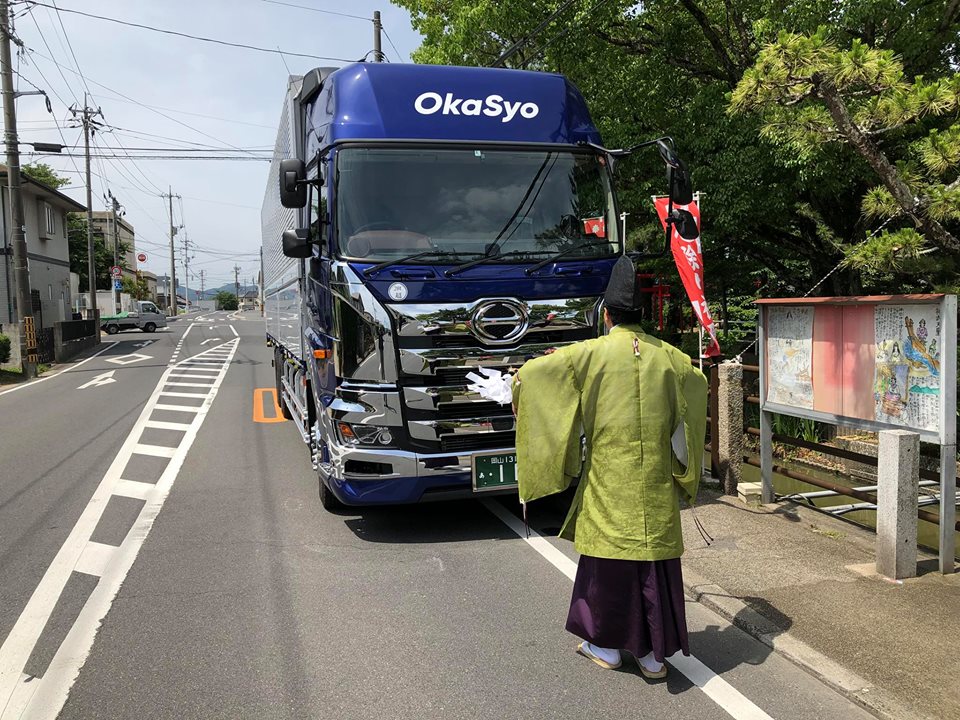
(421, 222)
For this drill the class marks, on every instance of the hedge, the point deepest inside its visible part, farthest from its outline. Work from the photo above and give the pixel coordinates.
(4, 349)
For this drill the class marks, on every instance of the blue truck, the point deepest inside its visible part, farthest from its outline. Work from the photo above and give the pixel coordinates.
(420, 222)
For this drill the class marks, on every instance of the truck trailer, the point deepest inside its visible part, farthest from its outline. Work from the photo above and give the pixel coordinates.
(421, 222)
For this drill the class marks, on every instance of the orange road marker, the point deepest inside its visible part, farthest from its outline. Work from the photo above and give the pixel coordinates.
(259, 400)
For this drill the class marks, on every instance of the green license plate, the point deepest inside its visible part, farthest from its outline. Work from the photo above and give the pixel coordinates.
(494, 471)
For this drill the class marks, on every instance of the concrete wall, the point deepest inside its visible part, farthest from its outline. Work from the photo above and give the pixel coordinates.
(66, 349)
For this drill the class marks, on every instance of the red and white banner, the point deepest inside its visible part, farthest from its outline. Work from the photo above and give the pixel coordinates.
(688, 256)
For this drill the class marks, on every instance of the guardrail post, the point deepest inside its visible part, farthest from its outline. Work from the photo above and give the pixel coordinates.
(898, 479)
(729, 425)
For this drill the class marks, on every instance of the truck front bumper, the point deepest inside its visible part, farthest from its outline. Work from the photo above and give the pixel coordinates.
(395, 477)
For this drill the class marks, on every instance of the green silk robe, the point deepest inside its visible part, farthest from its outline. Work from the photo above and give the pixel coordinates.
(625, 393)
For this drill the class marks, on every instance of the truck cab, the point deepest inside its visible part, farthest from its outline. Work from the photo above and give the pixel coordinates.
(421, 222)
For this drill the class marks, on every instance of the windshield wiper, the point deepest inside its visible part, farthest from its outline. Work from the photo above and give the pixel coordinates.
(562, 253)
(416, 256)
(484, 259)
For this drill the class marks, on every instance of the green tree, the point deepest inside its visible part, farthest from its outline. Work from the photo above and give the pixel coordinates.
(102, 253)
(771, 216)
(226, 300)
(810, 92)
(42, 172)
(136, 288)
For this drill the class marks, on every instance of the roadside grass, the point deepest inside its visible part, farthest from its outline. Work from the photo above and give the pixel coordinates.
(11, 376)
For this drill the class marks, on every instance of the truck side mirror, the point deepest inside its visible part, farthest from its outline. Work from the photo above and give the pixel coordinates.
(296, 243)
(678, 178)
(293, 183)
(685, 224)
(681, 190)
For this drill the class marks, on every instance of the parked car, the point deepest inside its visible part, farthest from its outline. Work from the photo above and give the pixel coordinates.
(147, 318)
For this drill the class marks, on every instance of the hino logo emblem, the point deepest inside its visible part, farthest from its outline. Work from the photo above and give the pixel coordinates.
(492, 106)
(499, 322)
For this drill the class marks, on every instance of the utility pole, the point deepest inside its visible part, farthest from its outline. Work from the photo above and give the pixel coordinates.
(172, 290)
(377, 27)
(114, 207)
(201, 285)
(28, 336)
(89, 127)
(236, 281)
(186, 268)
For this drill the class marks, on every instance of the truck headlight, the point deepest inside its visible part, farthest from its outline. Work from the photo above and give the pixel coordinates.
(364, 434)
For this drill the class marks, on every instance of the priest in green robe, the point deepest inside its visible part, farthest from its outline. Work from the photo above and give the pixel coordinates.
(626, 414)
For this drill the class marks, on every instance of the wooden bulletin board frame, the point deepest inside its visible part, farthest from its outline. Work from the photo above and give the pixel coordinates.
(854, 361)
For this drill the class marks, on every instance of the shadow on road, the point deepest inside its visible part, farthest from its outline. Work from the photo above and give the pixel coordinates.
(430, 523)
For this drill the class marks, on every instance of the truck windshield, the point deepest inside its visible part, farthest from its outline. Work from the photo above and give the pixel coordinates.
(393, 202)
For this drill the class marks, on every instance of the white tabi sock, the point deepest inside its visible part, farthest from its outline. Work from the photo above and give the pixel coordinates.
(650, 662)
(608, 655)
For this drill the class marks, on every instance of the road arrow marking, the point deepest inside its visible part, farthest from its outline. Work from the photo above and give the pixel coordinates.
(144, 343)
(101, 379)
(129, 359)
(209, 340)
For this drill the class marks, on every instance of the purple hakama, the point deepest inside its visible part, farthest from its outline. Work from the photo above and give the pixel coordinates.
(632, 605)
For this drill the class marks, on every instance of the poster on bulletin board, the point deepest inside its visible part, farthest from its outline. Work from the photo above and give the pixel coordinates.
(876, 362)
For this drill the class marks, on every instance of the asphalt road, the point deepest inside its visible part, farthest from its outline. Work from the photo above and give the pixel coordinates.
(162, 555)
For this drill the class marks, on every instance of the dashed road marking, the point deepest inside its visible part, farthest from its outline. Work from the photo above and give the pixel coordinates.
(731, 700)
(25, 697)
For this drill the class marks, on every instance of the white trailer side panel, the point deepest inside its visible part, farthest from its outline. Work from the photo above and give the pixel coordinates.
(282, 275)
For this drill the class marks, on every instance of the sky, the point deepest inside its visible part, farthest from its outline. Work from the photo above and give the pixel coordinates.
(200, 96)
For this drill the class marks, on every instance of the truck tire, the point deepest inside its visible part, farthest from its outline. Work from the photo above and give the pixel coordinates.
(150, 327)
(113, 329)
(277, 365)
(327, 499)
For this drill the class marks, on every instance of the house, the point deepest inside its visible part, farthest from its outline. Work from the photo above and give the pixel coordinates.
(103, 223)
(48, 254)
(249, 300)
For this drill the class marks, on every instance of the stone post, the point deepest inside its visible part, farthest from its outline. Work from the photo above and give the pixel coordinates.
(730, 425)
(898, 479)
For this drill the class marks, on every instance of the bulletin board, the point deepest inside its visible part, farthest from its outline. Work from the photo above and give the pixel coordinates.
(875, 362)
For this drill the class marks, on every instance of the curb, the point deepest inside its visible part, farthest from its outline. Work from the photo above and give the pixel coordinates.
(873, 699)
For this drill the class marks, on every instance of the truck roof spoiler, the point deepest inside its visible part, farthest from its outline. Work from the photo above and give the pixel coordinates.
(312, 83)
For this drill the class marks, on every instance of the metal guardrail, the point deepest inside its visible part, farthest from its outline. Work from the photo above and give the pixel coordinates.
(834, 488)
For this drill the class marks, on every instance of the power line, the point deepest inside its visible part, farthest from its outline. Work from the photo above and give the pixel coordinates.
(70, 46)
(569, 27)
(186, 35)
(137, 102)
(518, 45)
(399, 56)
(232, 158)
(313, 9)
(194, 114)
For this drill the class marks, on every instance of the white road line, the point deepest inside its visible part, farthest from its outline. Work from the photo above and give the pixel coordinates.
(162, 425)
(28, 698)
(95, 558)
(731, 700)
(188, 384)
(49, 377)
(192, 377)
(133, 488)
(178, 408)
(235, 333)
(154, 450)
(183, 394)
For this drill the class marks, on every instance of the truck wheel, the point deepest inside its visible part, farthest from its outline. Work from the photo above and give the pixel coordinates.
(278, 365)
(150, 327)
(113, 329)
(327, 499)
